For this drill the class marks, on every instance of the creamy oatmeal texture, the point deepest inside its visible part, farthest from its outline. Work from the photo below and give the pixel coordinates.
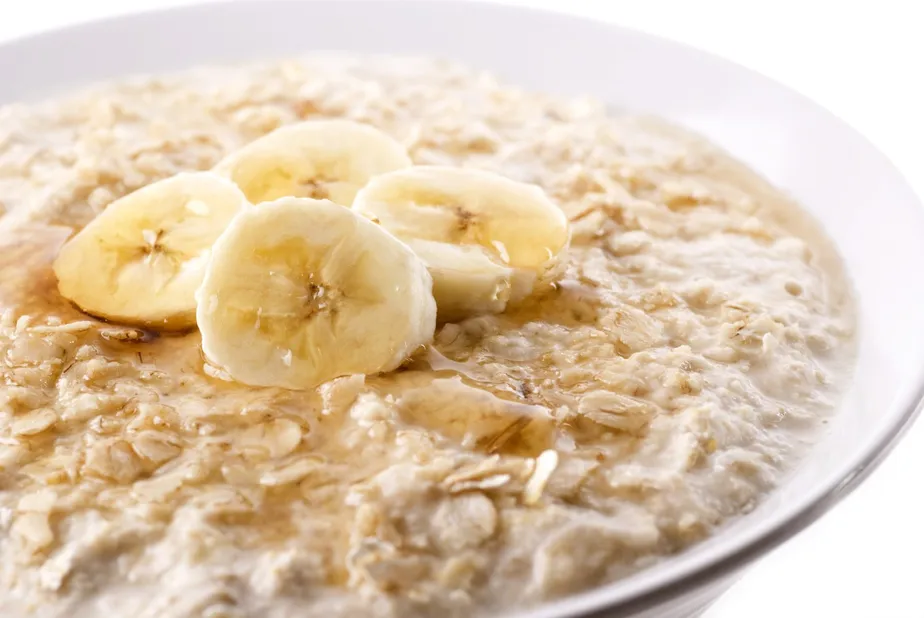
(698, 334)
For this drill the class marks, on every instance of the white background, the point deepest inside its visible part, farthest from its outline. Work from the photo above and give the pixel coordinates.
(862, 60)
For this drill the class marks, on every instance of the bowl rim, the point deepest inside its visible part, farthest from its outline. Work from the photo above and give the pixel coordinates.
(602, 601)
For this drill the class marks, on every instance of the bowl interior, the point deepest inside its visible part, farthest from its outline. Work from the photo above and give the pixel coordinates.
(862, 201)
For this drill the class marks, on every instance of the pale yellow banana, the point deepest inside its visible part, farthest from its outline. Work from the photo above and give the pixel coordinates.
(299, 291)
(322, 159)
(486, 239)
(140, 260)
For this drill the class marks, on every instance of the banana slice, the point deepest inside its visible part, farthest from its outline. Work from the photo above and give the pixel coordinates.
(465, 280)
(502, 236)
(322, 159)
(140, 261)
(300, 291)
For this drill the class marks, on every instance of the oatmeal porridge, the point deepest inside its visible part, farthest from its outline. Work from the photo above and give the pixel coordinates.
(692, 340)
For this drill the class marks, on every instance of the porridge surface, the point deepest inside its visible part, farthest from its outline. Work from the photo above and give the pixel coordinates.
(696, 340)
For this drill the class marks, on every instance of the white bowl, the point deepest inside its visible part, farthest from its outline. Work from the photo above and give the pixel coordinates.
(863, 202)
